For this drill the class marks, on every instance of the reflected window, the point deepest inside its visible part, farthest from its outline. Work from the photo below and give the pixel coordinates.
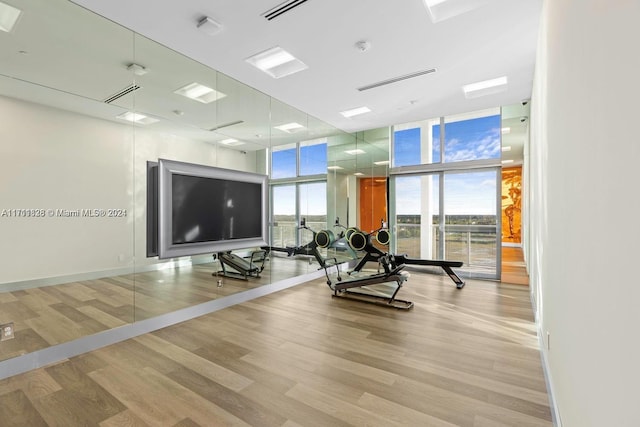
(283, 202)
(313, 204)
(283, 162)
(313, 157)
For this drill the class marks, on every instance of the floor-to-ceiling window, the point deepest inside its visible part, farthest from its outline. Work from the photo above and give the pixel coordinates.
(445, 181)
(298, 190)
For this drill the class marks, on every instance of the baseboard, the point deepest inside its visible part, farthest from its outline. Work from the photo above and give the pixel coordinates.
(555, 414)
(59, 352)
(100, 274)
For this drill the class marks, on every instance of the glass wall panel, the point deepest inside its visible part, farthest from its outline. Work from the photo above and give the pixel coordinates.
(68, 212)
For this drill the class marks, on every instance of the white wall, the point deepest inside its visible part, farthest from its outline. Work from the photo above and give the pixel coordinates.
(584, 205)
(55, 159)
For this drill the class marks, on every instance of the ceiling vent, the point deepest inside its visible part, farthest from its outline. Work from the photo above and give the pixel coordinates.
(397, 79)
(281, 9)
(123, 92)
(226, 125)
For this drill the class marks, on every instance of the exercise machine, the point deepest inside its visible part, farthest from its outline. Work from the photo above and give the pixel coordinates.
(379, 288)
(237, 267)
(323, 239)
(361, 241)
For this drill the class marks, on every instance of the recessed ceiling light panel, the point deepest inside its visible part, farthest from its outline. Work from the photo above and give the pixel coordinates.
(506, 148)
(354, 152)
(440, 10)
(8, 17)
(200, 93)
(334, 168)
(486, 87)
(355, 112)
(277, 62)
(292, 127)
(137, 118)
(231, 142)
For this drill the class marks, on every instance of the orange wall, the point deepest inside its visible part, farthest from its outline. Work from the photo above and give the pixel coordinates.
(373, 203)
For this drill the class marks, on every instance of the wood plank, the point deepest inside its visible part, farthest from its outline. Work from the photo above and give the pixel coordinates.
(465, 357)
(17, 410)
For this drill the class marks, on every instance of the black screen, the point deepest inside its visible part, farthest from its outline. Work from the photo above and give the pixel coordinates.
(209, 209)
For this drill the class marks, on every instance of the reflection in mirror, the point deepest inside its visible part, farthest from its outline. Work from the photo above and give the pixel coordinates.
(515, 122)
(68, 211)
(299, 187)
(372, 164)
(87, 104)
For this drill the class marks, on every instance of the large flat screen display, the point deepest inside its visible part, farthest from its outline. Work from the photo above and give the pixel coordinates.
(204, 209)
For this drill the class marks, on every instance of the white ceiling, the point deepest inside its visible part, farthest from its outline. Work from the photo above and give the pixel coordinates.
(496, 39)
(68, 57)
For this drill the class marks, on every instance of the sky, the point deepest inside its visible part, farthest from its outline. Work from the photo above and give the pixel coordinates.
(469, 193)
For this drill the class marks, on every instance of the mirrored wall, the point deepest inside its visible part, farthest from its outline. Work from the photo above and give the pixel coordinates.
(87, 106)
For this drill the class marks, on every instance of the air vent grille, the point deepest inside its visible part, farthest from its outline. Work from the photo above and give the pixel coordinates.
(397, 79)
(123, 92)
(281, 9)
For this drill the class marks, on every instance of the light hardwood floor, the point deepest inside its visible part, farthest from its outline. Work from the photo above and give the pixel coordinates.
(513, 266)
(302, 358)
(56, 314)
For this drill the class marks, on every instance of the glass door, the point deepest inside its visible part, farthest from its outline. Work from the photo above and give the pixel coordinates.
(449, 215)
(471, 223)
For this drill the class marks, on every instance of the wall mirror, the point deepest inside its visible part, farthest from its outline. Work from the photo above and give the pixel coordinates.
(87, 104)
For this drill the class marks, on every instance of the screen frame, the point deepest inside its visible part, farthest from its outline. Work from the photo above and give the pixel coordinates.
(166, 170)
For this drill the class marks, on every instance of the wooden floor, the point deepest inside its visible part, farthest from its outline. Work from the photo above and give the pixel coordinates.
(300, 357)
(56, 314)
(513, 266)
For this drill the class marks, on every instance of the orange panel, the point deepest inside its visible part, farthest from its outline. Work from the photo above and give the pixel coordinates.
(373, 203)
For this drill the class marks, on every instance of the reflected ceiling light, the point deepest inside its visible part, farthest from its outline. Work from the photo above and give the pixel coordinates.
(506, 162)
(358, 174)
(290, 127)
(355, 111)
(209, 26)
(334, 168)
(356, 151)
(439, 10)
(8, 17)
(137, 118)
(276, 62)
(231, 142)
(505, 130)
(381, 162)
(486, 87)
(200, 93)
(506, 148)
